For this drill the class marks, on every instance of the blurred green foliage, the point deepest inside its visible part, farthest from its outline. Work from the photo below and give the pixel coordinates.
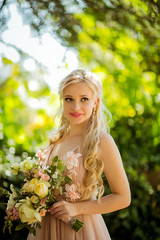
(120, 41)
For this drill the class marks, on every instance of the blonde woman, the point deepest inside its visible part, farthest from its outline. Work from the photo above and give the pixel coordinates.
(87, 149)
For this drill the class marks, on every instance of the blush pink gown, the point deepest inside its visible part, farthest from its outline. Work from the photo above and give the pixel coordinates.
(54, 229)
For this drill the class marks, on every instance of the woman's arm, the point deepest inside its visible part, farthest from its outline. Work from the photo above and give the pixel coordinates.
(120, 192)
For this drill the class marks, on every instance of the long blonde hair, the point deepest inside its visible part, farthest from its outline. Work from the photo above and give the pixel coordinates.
(97, 123)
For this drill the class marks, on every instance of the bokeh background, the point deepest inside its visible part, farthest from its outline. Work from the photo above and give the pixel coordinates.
(41, 42)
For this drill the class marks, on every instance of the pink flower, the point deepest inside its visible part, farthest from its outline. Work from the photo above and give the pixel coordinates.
(9, 213)
(40, 172)
(43, 212)
(71, 191)
(45, 177)
(45, 152)
(43, 201)
(42, 155)
(39, 153)
(15, 213)
(35, 175)
(71, 160)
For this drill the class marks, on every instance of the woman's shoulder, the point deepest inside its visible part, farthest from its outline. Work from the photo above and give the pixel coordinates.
(106, 144)
(105, 138)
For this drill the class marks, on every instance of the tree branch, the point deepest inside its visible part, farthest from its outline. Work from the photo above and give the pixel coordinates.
(3, 4)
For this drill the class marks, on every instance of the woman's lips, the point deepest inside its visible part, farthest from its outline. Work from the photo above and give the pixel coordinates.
(76, 115)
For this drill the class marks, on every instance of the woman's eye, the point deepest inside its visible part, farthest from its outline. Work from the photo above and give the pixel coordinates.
(84, 99)
(68, 99)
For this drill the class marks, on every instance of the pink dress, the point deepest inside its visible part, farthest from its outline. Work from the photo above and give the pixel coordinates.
(54, 229)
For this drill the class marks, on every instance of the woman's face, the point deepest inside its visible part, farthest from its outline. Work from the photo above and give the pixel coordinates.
(78, 102)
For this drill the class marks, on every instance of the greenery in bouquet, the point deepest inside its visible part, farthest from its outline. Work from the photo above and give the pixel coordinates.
(28, 205)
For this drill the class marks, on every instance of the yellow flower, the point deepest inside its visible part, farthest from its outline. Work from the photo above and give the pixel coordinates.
(34, 181)
(45, 182)
(41, 190)
(27, 164)
(27, 187)
(27, 213)
(34, 199)
(15, 168)
(30, 186)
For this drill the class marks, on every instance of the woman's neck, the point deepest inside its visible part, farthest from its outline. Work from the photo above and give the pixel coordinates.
(76, 130)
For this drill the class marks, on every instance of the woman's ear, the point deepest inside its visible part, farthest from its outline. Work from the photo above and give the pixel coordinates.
(96, 102)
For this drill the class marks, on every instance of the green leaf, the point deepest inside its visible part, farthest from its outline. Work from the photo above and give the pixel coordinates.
(60, 190)
(60, 166)
(38, 225)
(67, 179)
(33, 231)
(20, 226)
(3, 191)
(55, 159)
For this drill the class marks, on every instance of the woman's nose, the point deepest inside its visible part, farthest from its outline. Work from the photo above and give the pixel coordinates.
(76, 105)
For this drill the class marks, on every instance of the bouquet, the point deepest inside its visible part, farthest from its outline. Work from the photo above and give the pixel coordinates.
(28, 205)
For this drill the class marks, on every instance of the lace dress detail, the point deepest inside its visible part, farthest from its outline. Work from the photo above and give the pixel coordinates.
(55, 229)
(73, 191)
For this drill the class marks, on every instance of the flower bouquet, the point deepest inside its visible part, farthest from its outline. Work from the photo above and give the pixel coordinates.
(27, 206)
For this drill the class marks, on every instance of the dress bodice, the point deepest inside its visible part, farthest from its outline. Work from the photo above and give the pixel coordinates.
(74, 162)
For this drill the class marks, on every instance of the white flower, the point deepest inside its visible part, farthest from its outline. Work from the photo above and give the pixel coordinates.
(71, 160)
(15, 168)
(11, 202)
(27, 164)
(21, 167)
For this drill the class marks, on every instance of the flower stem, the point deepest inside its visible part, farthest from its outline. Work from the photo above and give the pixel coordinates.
(77, 226)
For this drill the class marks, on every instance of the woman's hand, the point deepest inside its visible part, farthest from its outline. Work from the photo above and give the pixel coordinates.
(63, 209)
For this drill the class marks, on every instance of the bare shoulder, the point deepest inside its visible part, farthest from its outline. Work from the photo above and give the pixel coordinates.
(108, 151)
(105, 137)
(107, 143)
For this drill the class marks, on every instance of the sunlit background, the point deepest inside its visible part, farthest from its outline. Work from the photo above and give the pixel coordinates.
(40, 43)
(57, 60)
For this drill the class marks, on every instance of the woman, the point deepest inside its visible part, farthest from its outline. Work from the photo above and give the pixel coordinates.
(87, 150)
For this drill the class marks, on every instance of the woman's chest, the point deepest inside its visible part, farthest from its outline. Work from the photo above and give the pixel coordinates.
(73, 160)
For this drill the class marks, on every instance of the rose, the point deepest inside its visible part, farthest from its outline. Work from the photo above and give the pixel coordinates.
(45, 182)
(40, 172)
(27, 213)
(45, 177)
(43, 212)
(43, 201)
(41, 190)
(36, 176)
(30, 186)
(27, 187)
(34, 181)
(15, 168)
(34, 199)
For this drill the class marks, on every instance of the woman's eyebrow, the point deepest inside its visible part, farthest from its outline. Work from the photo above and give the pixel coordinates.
(79, 95)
